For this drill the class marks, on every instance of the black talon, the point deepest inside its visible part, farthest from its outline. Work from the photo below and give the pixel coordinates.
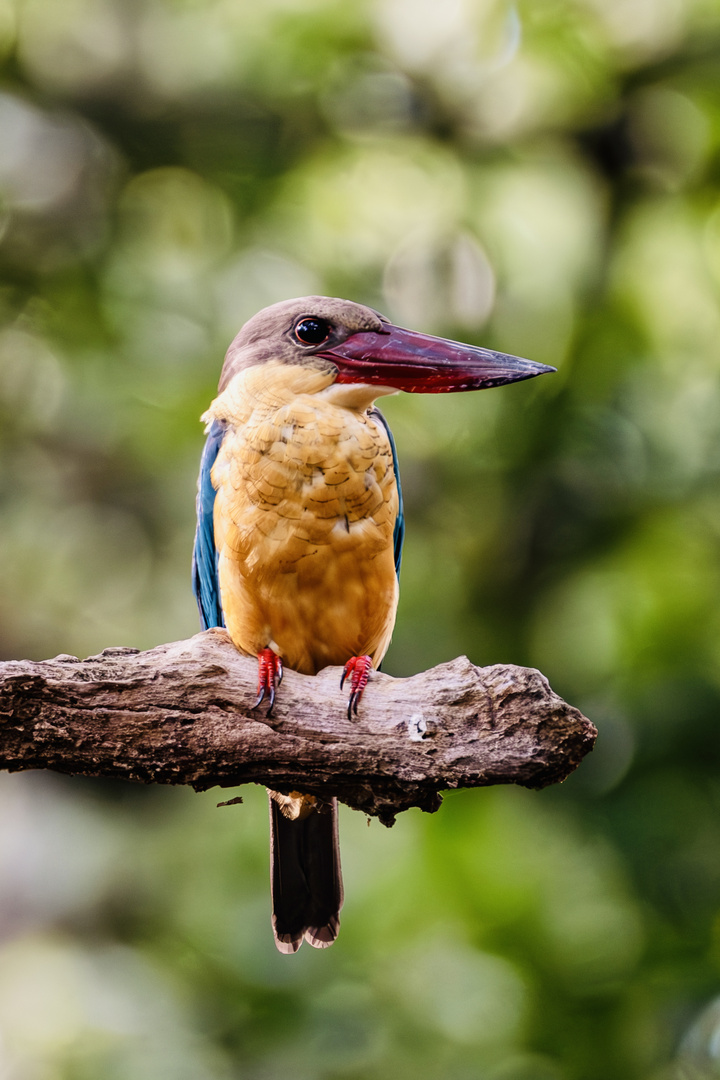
(259, 699)
(353, 704)
(343, 677)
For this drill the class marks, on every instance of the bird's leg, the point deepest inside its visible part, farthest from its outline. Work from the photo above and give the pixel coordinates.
(357, 670)
(270, 673)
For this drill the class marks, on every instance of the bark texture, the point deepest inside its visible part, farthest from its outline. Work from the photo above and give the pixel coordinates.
(181, 714)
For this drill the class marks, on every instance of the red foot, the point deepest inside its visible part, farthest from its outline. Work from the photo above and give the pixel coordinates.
(357, 669)
(270, 673)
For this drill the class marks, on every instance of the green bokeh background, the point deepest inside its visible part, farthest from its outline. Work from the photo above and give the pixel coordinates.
(540, 177)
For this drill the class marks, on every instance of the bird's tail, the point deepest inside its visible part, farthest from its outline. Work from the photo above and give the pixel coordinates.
(305, 875)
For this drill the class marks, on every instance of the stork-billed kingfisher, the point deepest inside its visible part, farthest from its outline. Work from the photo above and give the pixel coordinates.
(300, 530)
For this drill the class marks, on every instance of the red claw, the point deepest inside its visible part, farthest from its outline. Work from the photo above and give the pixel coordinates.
(270, 673)
(357, 669)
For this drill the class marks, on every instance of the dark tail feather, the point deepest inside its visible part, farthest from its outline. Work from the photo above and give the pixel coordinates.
(305, 876)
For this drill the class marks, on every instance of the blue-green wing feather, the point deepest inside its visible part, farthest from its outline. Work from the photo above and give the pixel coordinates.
(206, 584)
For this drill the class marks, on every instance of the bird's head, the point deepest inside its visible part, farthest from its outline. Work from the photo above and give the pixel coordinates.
(363, 347)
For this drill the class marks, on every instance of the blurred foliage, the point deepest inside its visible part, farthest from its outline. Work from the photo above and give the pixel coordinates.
(541, 177)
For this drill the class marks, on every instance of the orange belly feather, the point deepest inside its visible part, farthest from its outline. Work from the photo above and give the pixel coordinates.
(304, 517)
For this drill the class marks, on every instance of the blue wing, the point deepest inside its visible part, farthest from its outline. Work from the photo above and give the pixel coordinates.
(206, 585)
(399, 533)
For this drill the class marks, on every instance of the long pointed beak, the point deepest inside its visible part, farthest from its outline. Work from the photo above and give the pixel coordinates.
(422, 364)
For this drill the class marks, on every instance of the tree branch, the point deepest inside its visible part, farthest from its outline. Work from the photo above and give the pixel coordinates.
(181, 714)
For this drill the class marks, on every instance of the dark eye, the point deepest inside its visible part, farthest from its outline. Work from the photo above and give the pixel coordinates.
(312, 331)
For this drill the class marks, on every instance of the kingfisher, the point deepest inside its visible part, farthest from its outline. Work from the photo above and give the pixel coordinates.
(300, 530)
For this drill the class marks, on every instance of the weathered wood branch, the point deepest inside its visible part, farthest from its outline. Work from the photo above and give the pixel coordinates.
(181, 714)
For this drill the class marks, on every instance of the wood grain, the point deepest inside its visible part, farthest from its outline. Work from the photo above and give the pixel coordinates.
(181, 714)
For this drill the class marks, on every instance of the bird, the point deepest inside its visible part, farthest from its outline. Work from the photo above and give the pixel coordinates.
(300, 530)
